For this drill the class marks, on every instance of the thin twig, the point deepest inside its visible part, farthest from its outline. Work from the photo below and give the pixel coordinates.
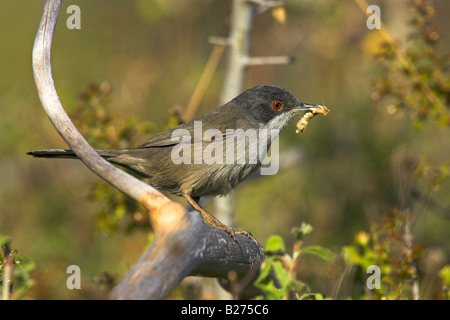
(219, 41)
(267, 3)
(408, 241)
(260, 61)
(203, 83)
(7, 274)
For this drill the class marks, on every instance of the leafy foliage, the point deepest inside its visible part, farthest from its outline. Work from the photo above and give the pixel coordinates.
(416, 77)
(15, 271)
(444, 274)
(416, 80)
(389, 247)
(278, 279)
(105, 129)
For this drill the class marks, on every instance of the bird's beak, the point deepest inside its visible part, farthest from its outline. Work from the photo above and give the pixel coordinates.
(304, 107)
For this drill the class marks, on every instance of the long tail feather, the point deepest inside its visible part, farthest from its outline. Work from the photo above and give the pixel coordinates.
(69, 154)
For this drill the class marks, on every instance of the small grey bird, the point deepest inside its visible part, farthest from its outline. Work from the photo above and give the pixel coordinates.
(184, 159)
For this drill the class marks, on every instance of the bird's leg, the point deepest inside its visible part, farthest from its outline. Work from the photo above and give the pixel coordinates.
(193, 201)
(208, 217)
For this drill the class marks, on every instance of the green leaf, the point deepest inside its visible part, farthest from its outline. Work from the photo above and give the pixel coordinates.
(275, 245)
(444, 274)
(265, 283)
(352, 256)
(4, 240)
(24, 263)
(265, 271)
(319, 251)
(301, 232)
(311, 296)
(282, 275)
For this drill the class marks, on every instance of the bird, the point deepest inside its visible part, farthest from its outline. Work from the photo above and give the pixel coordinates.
(185, 160)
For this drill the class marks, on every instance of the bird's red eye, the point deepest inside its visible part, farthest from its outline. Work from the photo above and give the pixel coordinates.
(276, 105)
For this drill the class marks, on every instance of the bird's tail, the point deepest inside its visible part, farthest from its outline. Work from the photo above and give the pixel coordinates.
(69, 154)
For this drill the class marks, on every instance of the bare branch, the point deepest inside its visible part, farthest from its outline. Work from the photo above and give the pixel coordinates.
(267, 3)
(219, 41)
(200, 250)
(264, 5)
(260, 61)
(61, 121)
(203, 83)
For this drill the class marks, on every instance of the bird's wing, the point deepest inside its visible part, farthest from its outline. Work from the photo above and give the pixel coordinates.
(169, 138)
(185, 133)
(163, 139)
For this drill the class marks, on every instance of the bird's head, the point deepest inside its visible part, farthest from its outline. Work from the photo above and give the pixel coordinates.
(271, 107)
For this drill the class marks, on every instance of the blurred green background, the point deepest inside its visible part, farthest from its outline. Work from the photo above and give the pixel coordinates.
(152, 53)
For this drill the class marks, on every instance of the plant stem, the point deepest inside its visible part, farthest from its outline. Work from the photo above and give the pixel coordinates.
(7, 272)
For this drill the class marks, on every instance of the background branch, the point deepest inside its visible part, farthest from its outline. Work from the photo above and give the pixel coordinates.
(237, 43)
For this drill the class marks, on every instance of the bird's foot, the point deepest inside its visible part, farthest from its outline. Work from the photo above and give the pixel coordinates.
(233, 232)
(216, 223)
(229, 230)
(247, 234)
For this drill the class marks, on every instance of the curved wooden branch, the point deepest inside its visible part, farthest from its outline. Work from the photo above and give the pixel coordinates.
(183, 244)
(199, 250)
